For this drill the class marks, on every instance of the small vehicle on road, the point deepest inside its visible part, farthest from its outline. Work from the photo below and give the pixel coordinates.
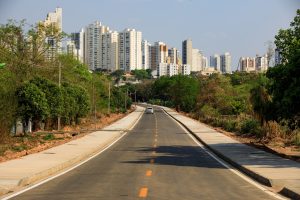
(149, 110)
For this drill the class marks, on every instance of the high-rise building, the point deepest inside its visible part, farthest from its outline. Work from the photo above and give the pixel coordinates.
(110, 51)
(146, 55)
(78, 40)
(196, 60)
(130, 50)
(247, 64)
(215, 61)
(71, 48)
(53, 20)
(173, 55)
(93, 45)
(187, 51)
(160, 53)
(204, 62)
(225, 63)
(261, 63)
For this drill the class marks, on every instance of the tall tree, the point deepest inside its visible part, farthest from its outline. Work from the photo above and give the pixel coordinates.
(285, 78)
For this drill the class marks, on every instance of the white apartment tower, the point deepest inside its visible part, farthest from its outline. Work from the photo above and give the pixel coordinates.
(78, 40)
(146, 55)
(110, 51)
(130, 50)
(53, 20)
(93, 45)
(196, 60)
(226, 63)
(161, 53)
(215, 61)
(173, 55)
(261, 63)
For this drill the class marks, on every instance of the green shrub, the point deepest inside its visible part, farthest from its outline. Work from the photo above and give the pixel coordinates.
(49, 136)
(229, 125)
(296, 139)
(251, 126)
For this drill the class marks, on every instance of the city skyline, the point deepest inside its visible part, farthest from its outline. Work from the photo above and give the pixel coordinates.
(214, 34)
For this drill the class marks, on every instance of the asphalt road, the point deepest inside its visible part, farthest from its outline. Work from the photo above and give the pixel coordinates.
(156, 160)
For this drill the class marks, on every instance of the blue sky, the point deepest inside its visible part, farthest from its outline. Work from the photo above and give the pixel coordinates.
(241, 27)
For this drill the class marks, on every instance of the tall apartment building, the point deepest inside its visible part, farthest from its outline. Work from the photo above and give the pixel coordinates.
(93, 45)
(54, 20)
(225, 63)
(173, 55)
(146, 55)
(261, 63)
(247, 64)
(160, 53)
(78, 39)
(110, 51)
(196, 60)
(187, 51)
(130, 49)
(71, 48)
(204, 62)
(215, 61)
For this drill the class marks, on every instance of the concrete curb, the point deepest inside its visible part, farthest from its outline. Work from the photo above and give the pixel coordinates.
(67, 164)
(261, 179)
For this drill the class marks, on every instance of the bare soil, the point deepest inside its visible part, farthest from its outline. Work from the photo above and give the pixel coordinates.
(16, 147)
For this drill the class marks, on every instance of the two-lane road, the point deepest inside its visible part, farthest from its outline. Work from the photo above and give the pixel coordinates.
(156, 160)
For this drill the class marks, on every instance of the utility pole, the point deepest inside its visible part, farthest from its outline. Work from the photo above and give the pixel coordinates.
(109, 98)
(126, 94)
(135, 97)
(94, 102)
(59, 85)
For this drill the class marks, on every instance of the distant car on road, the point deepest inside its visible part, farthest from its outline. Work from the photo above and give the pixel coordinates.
(149, 110)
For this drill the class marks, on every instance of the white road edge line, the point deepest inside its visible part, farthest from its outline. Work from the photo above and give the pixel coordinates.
(232, 169)
(81, 163)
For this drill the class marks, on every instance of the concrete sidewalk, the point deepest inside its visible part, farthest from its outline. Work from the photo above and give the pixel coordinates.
(271, 170)
(29, 169)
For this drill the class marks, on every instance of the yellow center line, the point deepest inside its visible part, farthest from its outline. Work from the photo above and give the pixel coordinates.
(153, 152)
(155, 145)
(143, 192)
(152, 161)
(149, 173)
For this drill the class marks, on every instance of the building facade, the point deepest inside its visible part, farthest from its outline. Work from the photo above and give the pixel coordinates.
(110, 51)
(93, 45)
(53, 20)
(187, 52)
(146, 55)
(247, 64)
(215, 61)
(225, 63)
(130, 50)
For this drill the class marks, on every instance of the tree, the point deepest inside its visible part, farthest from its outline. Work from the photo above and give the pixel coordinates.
(141, 74)
(32, 104)
(284, 84)
(184, 91)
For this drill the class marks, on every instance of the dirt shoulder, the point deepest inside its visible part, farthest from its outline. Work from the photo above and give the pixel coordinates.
(16, 147)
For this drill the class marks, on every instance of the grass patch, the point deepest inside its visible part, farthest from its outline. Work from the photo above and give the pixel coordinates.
(49, 136)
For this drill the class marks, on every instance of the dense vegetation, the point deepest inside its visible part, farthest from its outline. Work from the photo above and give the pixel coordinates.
(29, 83)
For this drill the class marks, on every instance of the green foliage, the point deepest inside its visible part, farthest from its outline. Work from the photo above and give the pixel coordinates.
(141, 74)
(49, 136)
(32, 102)
(284, 84)
(251, 126)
